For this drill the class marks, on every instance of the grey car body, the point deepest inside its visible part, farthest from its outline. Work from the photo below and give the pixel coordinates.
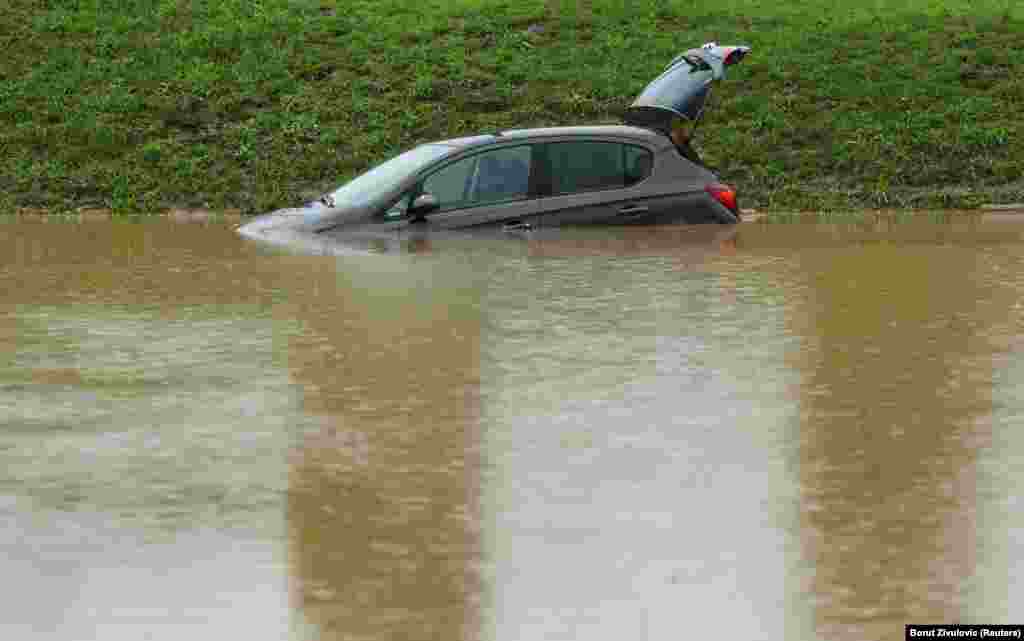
(527, 179)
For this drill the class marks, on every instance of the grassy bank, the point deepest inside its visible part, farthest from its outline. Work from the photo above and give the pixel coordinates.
(141, 105)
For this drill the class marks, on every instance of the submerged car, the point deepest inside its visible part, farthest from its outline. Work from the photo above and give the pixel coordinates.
(523, 179)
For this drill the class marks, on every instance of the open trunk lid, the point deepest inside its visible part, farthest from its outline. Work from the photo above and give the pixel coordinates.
(683, 88)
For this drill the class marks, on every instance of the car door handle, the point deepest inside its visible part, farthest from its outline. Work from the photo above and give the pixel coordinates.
(632, 210)
(516, 225)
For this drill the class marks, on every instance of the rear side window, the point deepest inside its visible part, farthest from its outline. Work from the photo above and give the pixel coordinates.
(638, 161)
(590, 166)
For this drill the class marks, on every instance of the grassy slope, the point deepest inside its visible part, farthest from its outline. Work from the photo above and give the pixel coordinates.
(145, 104)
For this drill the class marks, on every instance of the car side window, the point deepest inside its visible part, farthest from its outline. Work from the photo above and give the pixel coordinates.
(638, 163)
(586, 166)
(451, 184)
(503, 174)
(491, 176)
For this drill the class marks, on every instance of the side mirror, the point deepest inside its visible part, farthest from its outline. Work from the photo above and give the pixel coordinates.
(423, 205)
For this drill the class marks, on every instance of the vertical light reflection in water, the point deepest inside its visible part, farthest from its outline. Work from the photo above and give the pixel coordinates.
(997, 589)
(637, 419)
(896, 398)
(382, 506)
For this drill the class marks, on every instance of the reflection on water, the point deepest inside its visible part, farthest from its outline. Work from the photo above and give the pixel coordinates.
(143, 412)
(382, 506)
(895, 407)
(804, 430)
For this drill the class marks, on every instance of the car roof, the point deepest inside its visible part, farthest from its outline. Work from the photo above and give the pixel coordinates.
(583, 131)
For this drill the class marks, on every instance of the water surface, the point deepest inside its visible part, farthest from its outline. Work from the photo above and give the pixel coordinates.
(805, 430)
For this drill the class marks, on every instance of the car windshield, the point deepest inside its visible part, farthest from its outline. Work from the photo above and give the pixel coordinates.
(382, 178)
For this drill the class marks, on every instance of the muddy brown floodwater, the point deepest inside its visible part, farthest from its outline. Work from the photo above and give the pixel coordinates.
(798, 431)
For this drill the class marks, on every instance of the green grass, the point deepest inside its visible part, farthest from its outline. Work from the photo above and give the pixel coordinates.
(140, 105)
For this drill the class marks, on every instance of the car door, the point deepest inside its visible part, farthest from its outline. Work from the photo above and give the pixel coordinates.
(493, 187)
(594, 182)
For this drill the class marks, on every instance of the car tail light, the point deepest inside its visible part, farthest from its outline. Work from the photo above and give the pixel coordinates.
(734, 56)
(725, 195)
